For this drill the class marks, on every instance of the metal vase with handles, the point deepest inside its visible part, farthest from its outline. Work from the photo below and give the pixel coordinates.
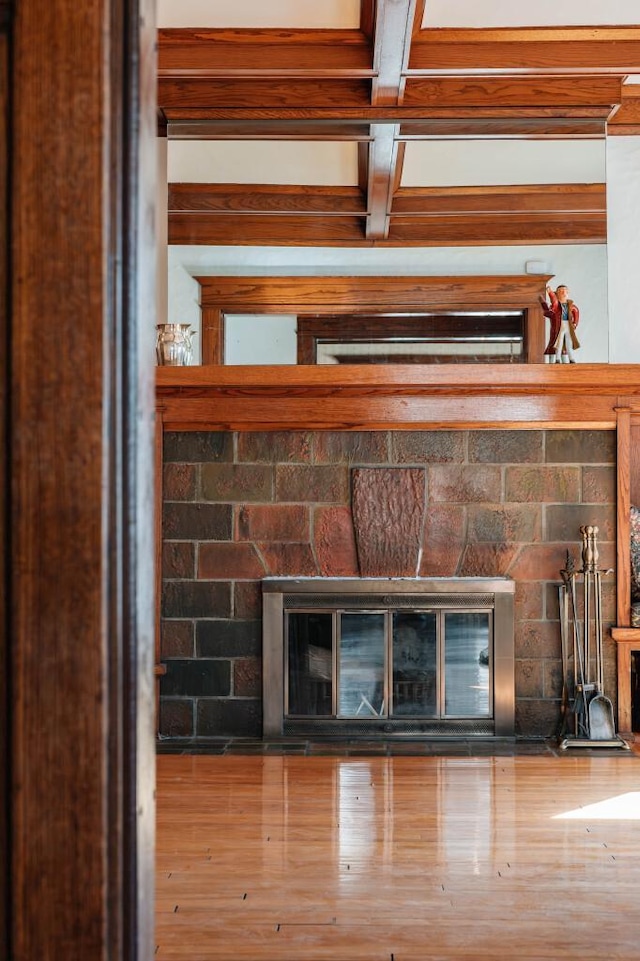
(173, 344)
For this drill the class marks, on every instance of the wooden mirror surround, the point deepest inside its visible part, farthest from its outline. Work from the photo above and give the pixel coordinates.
(342, 297)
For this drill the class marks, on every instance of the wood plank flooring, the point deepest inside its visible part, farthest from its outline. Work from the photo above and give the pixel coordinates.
(296, 858)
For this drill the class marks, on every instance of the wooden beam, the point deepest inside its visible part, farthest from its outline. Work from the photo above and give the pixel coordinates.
(539, 198)
(263, 52)
(527, 50)
(192, 97)
(420, 216)
(362, 112)
(298, 129)
(514, 91)
(284, 199)
(625, 119)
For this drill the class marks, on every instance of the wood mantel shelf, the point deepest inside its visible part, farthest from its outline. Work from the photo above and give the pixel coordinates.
(368, 397)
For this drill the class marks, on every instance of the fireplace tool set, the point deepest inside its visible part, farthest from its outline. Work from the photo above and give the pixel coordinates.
(583, 697)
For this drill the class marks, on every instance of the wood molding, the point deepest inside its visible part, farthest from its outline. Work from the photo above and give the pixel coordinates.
(627, 640)
(394, 397)
(369, 293)
(265, 198)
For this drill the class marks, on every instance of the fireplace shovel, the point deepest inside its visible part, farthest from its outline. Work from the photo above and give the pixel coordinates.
(602, 725)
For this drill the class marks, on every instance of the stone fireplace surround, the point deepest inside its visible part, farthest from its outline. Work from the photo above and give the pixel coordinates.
(241, 506)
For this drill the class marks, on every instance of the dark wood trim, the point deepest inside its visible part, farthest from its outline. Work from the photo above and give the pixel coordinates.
(623, 503)
(80, 467)
(530, 198)
(158, 667)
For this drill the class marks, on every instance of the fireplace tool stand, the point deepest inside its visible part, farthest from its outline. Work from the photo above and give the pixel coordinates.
(583, 697)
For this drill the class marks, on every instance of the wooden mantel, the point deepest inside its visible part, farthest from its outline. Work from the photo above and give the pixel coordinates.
(530, 396)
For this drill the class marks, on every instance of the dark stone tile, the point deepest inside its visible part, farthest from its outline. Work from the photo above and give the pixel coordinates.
(552, 678)
(537, 639)
(233, 717)
(289, 560)
(334, 542)
(273, 522)
(487, 560)
(271, 447)
(197, 522)
(178, 560)
(542, 484)
(537, 718)
(220, 559)
(236, 483)
(464, 485)
(598, 485)
(197, 447)
(529, 601)
(563, 522)
(176, 717)
(388, 506)
(247, 677)
(179, 482)
(443, 540)
(506, 446)
(247, 600)
(428, 446)
(351, 447)
(196, 677)
(176, 639)
(529, 678)
(520, 523)
(307, 484)
(580, 446)
(181, 599)
(229, 638)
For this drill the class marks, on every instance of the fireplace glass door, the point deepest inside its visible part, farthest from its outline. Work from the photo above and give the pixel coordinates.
(388, 664)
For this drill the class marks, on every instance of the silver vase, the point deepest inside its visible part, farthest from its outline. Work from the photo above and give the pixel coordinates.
(173, 345)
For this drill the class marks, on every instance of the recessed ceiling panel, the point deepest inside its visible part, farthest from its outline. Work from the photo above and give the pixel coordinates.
(263, 162)
(477, 163)
(311, 14)
(542, 13)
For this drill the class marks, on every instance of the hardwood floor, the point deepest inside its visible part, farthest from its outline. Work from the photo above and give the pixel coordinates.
(293, 858)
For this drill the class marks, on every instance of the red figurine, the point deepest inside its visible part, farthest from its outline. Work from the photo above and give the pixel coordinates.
(564, 317)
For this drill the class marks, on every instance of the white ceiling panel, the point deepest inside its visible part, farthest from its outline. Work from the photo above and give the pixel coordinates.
(332, 14)
(263, 162)
(477, 163)
(542, 13)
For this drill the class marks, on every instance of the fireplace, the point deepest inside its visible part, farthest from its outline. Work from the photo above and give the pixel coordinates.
(388, 656)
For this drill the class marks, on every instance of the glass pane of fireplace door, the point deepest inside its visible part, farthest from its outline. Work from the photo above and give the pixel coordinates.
(415, 661)
(310, 663)
(467, 640)
(361, 664)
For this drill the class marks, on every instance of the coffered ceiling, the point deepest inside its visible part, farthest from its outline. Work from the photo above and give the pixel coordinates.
(393, 122)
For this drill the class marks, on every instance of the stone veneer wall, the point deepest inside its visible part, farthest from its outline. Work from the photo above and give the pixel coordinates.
(242, 506)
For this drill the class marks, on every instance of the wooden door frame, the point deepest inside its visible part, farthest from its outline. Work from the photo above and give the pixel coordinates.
(77, 480)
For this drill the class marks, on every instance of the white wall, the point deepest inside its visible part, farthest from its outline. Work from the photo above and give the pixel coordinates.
(582, 267)
(517, 13)
(623, 235)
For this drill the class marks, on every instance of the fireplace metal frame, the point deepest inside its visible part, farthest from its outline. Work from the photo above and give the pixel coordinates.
(281, 594)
